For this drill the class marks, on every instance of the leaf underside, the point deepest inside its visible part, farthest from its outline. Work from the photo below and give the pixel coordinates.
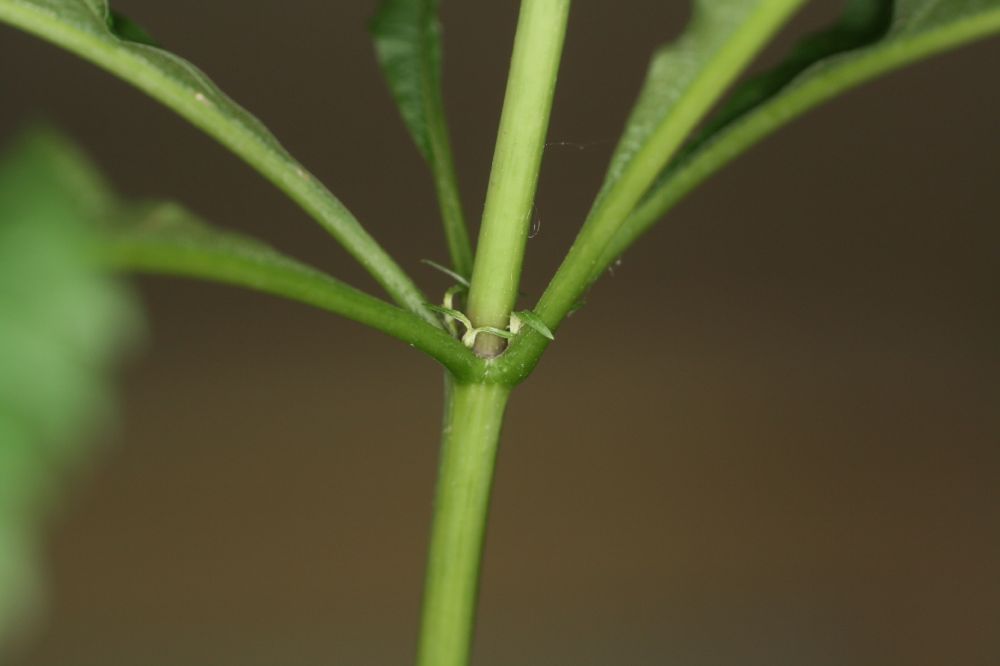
(872, 37)
(862, 22)
(114, 35)
(89, 29)
(678, 71)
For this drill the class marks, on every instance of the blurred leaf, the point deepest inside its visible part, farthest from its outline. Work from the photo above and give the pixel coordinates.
(61, 324)
(407, 37)
(871, 38)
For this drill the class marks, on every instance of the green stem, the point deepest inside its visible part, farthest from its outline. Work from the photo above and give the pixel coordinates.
(473, 417)
(541, 29)
(446, 184)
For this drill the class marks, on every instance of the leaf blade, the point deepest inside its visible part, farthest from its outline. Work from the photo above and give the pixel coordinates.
(407, 36)
(535, 322)
(166, 239)
(685, 78)
(85, 27)
(918, 29)
(459, 279)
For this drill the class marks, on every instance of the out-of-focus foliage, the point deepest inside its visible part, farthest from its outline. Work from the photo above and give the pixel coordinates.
(62, 323)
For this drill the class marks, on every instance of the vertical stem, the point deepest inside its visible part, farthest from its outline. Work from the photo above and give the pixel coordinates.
(541, 29)
(473, 416)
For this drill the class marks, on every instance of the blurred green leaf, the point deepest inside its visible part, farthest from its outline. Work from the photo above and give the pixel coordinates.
(61, 325)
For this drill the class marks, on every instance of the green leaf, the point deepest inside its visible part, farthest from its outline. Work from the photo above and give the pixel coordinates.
(128, 29)
(87, 28)
(407, 37)
(453, 313)
(62, 324)
(530, 319)
(687, 76)
(873, 37)
(164, 238)
(461, 280)
(862, 22)
(684, 80)
(499, 332)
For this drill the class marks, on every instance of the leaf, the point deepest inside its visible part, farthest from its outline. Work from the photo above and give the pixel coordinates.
(87, 28)
(407, 37)
(684, 80)
(62, 324)
(453, 313)
(128, 29)
(872, 37)
(408, 46)
(463, 281)
(164, 238)
(533, 321)
(493, 330)
(862, 22)
(685, 77)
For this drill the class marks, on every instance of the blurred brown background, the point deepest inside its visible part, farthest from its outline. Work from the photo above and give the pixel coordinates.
(771, 438)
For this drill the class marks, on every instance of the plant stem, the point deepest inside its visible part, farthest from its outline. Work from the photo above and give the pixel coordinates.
(446, 184)
(541, 29)
(473, 417)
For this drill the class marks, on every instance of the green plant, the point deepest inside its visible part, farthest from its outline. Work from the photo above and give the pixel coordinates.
(662, 155)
